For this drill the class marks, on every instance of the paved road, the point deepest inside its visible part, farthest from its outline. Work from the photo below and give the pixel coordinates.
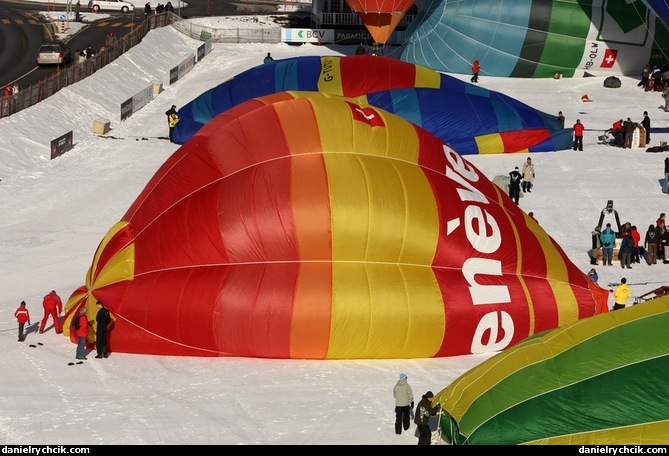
(23, 29)
(203, 8)
(21, 33)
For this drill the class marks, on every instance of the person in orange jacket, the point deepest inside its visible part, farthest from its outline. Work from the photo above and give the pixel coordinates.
(475, 71)
(53, 306)
(22, 316)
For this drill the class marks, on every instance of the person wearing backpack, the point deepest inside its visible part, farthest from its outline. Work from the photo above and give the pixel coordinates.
(80, 325)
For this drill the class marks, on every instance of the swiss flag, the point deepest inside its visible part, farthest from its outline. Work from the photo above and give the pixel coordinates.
(609, 58)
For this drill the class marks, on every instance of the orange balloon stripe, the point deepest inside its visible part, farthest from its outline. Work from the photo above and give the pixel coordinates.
(310, 203)
(380, 25)
(312, 311)
(381, 17)
(381, 6)
(312, 307)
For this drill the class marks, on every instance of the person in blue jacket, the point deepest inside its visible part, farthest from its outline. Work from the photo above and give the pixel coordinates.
(608, 238)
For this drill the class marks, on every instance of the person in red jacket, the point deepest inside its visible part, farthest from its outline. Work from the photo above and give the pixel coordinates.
(618, 133)
(475, 71)
(53, 306)
(578, 135)
(81, 331)
(22, 316)
(636, 254)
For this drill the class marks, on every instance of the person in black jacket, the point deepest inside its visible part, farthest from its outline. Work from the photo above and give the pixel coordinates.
(650, 243)
(103, 319)
(628, 128)
(424, 411)
(662, 249)
(646, 125)
(514, 184)
(172, 120)
(626, 250)
(596, 247)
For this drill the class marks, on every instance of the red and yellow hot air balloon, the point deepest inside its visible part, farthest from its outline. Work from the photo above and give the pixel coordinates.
(380, 16)
(315, 227)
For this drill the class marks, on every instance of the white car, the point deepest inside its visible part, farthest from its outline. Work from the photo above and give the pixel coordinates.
(111, 5)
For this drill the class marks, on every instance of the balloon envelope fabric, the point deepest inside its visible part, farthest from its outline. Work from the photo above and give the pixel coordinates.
(537, 38)
(380, 16)
(271, 234)
(598, 381)
(467, 117)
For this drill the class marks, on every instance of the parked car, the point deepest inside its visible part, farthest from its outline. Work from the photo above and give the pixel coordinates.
(54, 52)
(112, 5)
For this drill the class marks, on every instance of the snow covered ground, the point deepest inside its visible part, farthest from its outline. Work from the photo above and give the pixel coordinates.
(55, 213)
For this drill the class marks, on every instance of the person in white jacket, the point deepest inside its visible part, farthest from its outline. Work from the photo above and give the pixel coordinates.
(403, 404)
(528, 175)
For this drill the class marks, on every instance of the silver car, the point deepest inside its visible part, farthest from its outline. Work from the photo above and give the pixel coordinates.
(112, 5)
(54, 53)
